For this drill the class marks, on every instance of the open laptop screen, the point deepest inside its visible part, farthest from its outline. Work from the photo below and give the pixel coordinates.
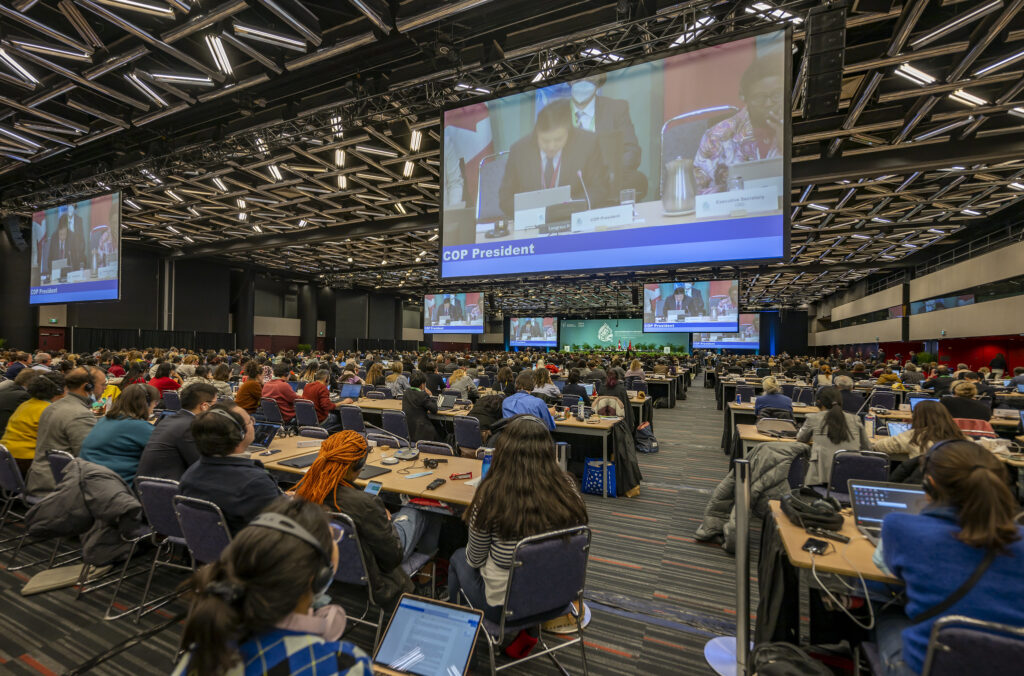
(264, 434)
(429, 638)
(872, 500)
(589, 387)
(914, 401)
(896, 428)
(351, 391)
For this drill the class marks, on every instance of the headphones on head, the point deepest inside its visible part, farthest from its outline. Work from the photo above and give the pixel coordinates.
(927, 485)
(239, 429)
(89, 386)
(283, 524)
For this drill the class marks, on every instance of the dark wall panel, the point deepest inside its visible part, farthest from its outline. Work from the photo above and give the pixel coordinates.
(202, 296)
(382, 318)
(350, 318)
(18, 318)
(139, 307)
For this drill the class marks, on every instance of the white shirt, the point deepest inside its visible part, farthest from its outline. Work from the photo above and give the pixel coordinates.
(583, 118)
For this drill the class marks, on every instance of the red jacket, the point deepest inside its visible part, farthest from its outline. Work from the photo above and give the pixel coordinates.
(317, 393)
(281, 392)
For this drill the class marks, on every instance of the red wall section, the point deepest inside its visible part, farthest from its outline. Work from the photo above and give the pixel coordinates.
(975, 352)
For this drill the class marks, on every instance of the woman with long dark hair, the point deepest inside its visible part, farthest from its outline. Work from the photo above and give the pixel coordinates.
(830, 430)
(252, 608)
(505, 381)
(968, 528)
(525, 493)
(930, 423)
(136, 374)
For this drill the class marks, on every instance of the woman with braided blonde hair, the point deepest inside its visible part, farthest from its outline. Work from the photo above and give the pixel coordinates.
(386, 539)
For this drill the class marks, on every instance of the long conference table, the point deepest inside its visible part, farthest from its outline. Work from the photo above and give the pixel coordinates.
(599, 427)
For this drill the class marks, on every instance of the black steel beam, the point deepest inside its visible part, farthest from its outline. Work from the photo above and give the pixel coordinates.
(269, 243)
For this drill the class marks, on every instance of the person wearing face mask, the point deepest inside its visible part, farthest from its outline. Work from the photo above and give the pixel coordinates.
(609, 118)
(756, 132)
(555, 153)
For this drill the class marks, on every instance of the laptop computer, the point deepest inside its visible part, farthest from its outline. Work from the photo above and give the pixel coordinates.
(446, 401)
(896, 428)
(427, 638)
(1020, 388)
(351, 391)
(296, 385)
(872, 500)
(1022, 419)
(530, 208)
(914, 401)
(589, 387)
(264, 435)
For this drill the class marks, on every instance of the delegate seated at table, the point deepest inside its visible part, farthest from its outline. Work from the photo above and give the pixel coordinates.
(552, 155)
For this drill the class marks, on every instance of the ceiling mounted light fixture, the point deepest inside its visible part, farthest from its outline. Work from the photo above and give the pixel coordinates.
(408, 169)
(342, 181)
(415, 140)
(220, 184)
(145, 89)
(17, 67)
(339, 158)
(275, 172)
(956, 23)
(218, 54)
(162, 11)
(175, 78)
(914, 75)
(269, 37)
(377, 151)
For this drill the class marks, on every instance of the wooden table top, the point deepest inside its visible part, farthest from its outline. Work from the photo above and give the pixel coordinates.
(454, 492)
(748, 407)
(842, 559)
(396, 405)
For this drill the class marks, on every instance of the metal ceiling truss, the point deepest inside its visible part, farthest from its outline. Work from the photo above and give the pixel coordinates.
(342, 185)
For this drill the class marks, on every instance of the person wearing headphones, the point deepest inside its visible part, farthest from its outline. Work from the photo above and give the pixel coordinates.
(237, 484)
(386, 539)
(525, 493)
(117, 440)
(65, 424)
(772, 396)
(962, 555)
(251, 609)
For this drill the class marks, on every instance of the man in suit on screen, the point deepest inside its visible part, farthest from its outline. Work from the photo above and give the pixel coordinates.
(554, 154)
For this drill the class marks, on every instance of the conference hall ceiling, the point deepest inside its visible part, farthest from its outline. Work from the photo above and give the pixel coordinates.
(302, 137)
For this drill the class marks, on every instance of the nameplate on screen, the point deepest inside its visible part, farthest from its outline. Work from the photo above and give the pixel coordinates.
(737, 202)
(530, 218)
(608, 217)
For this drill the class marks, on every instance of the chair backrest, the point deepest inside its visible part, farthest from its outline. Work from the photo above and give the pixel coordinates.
(797, 471)
(787, 389)
(492, 171)
(157, 498)
(863, 465)
(883, 400)
(434, 448)
(11, 481)
(762, 372)
(853, 402)
(305, 413)
(549, 571)
(375, 395)
(172, 402)
(384, 439)
(351, 565)
(352, 418)
(58, 461)
(570, 399)
(746, 392)
(203, 527)
(681, 135)
(365, 390)
(382, 389)
(485, 380)
(959, 644)
(467, 432)
(803, 395)
(313, 432)
(394, 423)
(975, 427)
(640, 386)
(271, 411)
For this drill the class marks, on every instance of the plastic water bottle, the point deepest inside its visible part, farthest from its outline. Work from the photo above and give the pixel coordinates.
(486, 464)
(739, 398)
(579, 409)
(869, 420)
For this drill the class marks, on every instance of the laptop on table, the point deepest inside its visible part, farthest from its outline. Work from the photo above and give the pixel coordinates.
(872, 500)
(427, 638)
(264, 436)
(351, 391)
(914, 401)
(446, 401)
(897, 428)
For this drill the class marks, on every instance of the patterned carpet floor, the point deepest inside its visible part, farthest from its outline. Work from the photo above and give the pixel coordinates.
(657, 596)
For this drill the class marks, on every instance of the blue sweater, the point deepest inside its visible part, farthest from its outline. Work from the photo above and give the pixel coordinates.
(776, 400)
(922, 550)
(117, 444)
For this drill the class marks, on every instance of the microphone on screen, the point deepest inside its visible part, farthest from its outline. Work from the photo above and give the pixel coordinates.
(585, 193)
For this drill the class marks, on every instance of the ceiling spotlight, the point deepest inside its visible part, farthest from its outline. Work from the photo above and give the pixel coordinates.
(342, 181)
(339, 158)
(269, 37)
(138, 6)
(220, 57)
(275, 172)
(408, 169)
(220, 185)
(377, 151)
(134, 80)
(415, 140)
(349, 259)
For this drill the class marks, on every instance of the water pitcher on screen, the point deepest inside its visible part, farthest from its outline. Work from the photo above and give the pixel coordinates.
(677, 186)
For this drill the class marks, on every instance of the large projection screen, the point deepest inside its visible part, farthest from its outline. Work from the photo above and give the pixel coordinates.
(453, 313)
(679, 160)
(690, 307)
(747, 338)
(533, 331)
(76, 252)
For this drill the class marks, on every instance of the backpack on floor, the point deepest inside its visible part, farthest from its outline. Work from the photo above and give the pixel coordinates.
(784, 659)
(646, 442)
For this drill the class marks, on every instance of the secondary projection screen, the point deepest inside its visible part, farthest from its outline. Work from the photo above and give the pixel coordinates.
(692, 306)
(680, 160)
(747, 338)
(76, 252)
(533, 331)
(453, 313)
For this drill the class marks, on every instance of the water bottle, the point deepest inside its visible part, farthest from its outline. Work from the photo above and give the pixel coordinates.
(869, 420)
(739, 398)
(486, 464)
(579, 409)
